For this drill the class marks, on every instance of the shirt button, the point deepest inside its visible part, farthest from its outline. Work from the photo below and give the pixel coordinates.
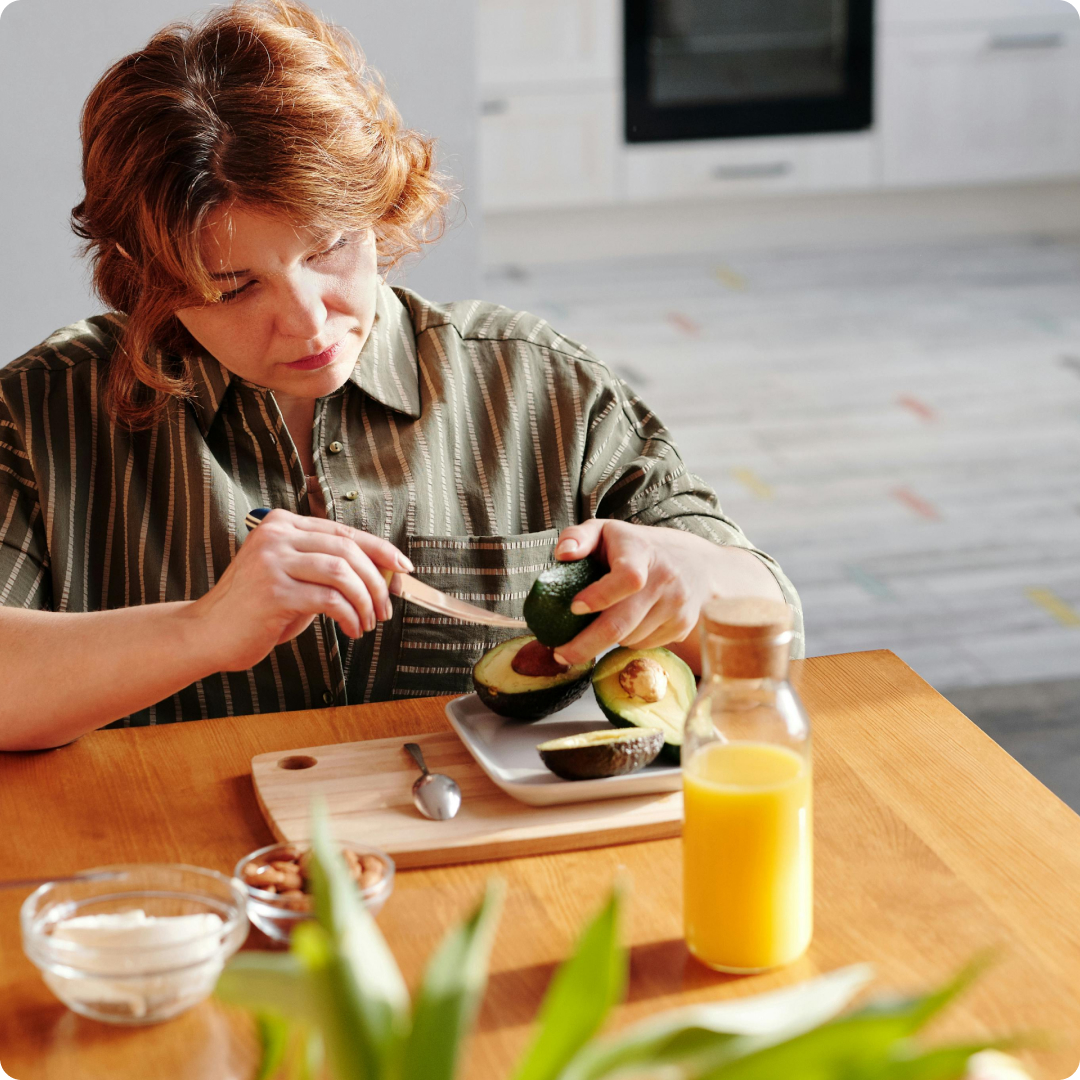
(352, 495)
(328, 697)
(335, 447)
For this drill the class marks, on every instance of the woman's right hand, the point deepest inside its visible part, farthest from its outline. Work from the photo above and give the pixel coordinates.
(288, 570)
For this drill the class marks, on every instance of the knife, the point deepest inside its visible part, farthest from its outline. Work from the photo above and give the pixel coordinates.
(408, 588)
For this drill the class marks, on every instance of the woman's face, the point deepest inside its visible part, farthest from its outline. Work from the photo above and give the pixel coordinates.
(298, 303)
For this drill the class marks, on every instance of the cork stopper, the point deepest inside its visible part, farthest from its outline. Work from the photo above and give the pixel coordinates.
(747, 637)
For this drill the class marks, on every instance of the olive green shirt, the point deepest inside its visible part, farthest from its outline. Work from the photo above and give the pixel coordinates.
(468, 435)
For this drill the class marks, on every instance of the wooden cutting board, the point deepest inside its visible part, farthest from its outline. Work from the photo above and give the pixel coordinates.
(367, 787)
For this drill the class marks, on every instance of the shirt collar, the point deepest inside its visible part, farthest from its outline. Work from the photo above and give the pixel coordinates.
(386, 370)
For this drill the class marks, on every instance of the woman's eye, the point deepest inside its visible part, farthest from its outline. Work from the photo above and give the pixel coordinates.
(227, 296)
(335, 246)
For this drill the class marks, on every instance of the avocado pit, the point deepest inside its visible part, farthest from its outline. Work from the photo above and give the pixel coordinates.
(537, 661)
(644, 679)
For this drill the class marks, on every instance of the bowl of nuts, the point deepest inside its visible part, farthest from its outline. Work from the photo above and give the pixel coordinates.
(277, 884)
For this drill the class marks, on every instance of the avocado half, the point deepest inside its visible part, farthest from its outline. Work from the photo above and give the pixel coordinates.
(595, 755)
(525, 697)
(547, 607)
(668, 714)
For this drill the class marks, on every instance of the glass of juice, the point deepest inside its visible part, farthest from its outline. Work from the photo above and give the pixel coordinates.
(747, 787)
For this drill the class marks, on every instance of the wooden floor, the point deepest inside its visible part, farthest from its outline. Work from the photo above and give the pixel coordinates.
(900, 426)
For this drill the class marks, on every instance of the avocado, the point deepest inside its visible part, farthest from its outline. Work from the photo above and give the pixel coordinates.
(598, 754)
(547, 607)
(509, 693)
(646, 688)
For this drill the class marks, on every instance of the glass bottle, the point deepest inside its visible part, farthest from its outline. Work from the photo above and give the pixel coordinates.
(748, 820)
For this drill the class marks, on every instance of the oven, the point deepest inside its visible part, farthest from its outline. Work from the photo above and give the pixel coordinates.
(715, 69)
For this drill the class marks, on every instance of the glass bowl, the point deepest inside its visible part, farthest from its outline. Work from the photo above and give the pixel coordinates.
(276, 915)
(134, 944)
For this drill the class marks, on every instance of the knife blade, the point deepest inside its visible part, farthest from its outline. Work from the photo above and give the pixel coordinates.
(408, 588)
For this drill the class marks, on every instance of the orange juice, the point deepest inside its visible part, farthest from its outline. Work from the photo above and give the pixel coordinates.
(747, 855)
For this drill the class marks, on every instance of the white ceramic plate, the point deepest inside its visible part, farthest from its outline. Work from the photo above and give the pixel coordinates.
(506, 751)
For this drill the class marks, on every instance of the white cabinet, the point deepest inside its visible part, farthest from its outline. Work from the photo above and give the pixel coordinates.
(550, 100)
(552, 149)
(548, 41)
(727, 167)
(980, 103)
(893, 13)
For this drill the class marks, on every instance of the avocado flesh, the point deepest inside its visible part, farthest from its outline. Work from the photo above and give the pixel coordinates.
(596, 755)
(547, 607)
(668, 714)
(525, 697)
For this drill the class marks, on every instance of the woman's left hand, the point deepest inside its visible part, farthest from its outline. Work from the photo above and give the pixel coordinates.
(658, 580)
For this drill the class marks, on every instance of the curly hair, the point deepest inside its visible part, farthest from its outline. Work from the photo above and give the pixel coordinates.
(260, 104)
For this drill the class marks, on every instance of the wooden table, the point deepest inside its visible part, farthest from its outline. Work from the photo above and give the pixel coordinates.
(932, 843)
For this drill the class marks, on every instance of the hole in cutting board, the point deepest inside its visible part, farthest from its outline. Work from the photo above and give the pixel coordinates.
(297, 761)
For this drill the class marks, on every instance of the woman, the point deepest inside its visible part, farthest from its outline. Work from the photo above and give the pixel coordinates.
(247, 183)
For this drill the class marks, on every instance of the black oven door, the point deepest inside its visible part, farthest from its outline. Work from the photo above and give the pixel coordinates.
(714, 69)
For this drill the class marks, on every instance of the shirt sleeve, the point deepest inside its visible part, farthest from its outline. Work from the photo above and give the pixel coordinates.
(633, 472)
(24, 553)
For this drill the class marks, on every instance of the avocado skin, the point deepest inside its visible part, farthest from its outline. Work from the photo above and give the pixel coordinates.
(526, 704)
(670, 753)
(532, 704)
(547, 607)
(601, 761)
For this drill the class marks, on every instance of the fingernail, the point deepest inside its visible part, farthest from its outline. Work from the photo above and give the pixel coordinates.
(369, 624)
(579, 607)
(560, 659)
(406, 565)
(566, 547)
(387, 611)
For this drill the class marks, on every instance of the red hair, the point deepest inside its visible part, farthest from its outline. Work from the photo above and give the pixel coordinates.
(262, 104)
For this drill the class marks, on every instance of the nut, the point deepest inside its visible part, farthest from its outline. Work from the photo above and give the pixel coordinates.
(288, 875)
(295, 900)
(644, 679)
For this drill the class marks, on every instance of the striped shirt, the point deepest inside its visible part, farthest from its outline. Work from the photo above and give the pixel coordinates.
(468, 435)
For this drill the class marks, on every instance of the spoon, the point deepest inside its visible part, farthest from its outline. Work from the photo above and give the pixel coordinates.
(436, 796)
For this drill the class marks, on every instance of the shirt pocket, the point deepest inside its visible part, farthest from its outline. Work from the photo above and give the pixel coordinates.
(436, 654)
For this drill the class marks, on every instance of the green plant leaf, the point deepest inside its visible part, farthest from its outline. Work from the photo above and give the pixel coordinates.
(580, 995)
(274, 1032)
(854, 1046)
(451, 992)
(358, 978)
(311, 1056)
(340, 1017)
(694, 1036)
(264, 982)
(941, 1063)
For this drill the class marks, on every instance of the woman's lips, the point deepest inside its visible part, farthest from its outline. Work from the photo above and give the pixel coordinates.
(310, 363)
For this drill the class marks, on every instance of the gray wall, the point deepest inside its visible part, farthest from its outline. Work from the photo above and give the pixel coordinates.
(52, 52)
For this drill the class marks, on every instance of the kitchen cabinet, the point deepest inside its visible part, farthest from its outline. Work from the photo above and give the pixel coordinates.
(553, 149)
(973, 103)
(548, 42)
(733, 167)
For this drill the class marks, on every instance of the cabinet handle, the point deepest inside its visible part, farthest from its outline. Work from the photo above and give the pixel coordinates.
(1003, 42)
(763, 170)
(494, 107)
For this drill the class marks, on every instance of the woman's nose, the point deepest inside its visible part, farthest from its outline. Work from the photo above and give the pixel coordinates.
(300, 312)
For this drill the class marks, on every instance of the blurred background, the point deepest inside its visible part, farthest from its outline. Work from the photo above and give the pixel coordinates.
(834, 244)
